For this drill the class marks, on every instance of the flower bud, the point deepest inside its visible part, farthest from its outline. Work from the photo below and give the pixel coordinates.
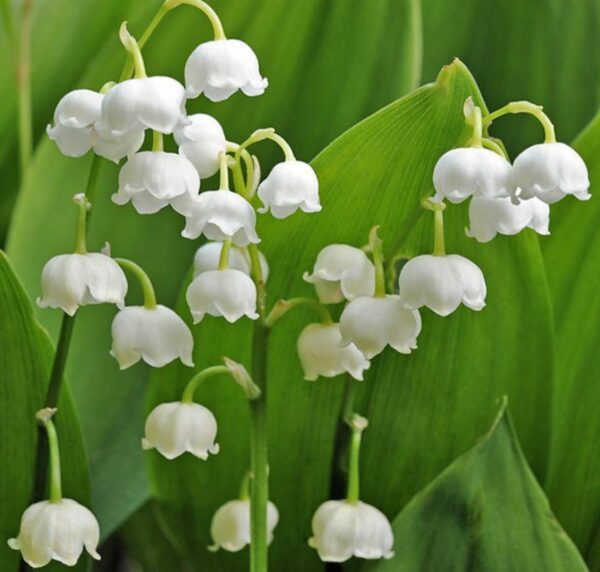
(342, 272)
(230, 527)
(73, 280)
(227, 293)
(549, 171)
(208, 255)
(372, 323)
(176, 428)
(441, 283)
(220, 67)
(156, 335)
(321, 354)
(343, 529)
(56, 531)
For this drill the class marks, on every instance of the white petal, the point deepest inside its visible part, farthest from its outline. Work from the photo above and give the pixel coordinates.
(208, 255)
(115, 147)
(72, 141)
(78, 108)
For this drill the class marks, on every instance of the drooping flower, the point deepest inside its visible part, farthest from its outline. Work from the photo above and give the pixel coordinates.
(230, 527)
(342, 272)
(371, 323)
(228, 293)
(115, 147)
(220, 215)
(208, 255)
(342, 529)
(156, 335)
(220, 67)
(176, 428)
(56, 531)
(472, 171)
(151, 180)
(442, 283)
(489, 216)
(321, 354)
(73, 280)
(201, 142)
(550, 171)
(291, 185)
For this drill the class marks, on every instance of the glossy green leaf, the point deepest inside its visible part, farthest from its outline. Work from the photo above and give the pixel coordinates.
(25, 360)
(486, 512)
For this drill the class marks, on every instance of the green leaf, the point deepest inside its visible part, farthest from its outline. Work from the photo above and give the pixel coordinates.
(25, 360)
(484, 513)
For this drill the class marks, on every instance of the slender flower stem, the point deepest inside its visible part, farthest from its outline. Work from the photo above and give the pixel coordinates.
(44, 416)
(493, 146)
(83, 206)
(190, 388)
(244, 188)
(244, 493)
(476, 138)
(358, 424)
(143, 279)
(219, 33)
(525, 107)
(375, 247)
(23, 70)
(439, 247)
(133, 49)
(269, 133)
(224, 256)
(157, 141)
(282, 307)
(223, 172)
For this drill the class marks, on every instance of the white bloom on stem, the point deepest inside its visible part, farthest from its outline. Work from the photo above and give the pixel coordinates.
(489, 216)
(228, 293)
(220, 67)
(230, 527)
(115, 147)
(371, 323)
(208, 255)
(442, 283)
(321, 354)
(151, 180)
(56, 531)
(176, 428)
(156, 103)
(472, 171)
(550, 171)
(291, 185)
(156, 335)
(202, 141)
(220, 215)
(73, 280)
(343, 529)
(342, 272)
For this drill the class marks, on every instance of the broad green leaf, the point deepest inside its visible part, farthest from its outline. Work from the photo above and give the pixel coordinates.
(424, 409)
(25, 360)
(485, 512)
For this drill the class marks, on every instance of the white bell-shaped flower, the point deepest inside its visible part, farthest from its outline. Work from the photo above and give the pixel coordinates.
(71, 141)
(230, 527)
(220, 67)
(56, 531)
(228, 293)
(156, 103)
(489, 216)
(202, 141)
(220, 215)
(342, 272)
(472, 171)
(208, 255)
(549, 171)
(115, 147)
(151, 180)
(291, 185)
(73, 280)
(156, 335)
(372, 323)
(176, 428)
(442, 283)
(343, 529)
(321, 354)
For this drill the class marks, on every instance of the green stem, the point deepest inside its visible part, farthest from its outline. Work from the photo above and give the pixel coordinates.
(143, 279)
(60, 360)
(45, 417)
(245, 487)
(83, 206)
(375, 247)
(190, 388)
(224, 256)
(476, 137)
(133, 49)
(223, 172)
(157, 141)
(493, 146)
(358, 425)
(282, 307)
(219, 33)
(23, 70)
(525, 107)
(269, 133)
(257, 277)
(439, 247)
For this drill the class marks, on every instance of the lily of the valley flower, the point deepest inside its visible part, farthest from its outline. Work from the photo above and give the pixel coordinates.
(291, 185)
(342, 272)
(157, 335)
(550, 171)
(152, 180)
(442, 283)
(201, 142)
(176, 428)
(371, 323)
(321, 354)
(220, 67)
(208, 255)
(220, 215)
(230, 527)
(228, 293)
(489, 216)
(472, 171)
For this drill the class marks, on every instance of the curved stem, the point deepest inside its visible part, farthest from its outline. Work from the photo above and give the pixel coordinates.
(224, 256)
(245, 487)
(143, 279)
(45, 417)
(133, 50)
(493, 146)
(269, 133)
(219, 33)
(23, 69)
(282, 307)
(358, 425)
(525, 107)
(190, 388)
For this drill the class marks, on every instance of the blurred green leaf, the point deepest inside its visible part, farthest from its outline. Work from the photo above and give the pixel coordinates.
(485, 512)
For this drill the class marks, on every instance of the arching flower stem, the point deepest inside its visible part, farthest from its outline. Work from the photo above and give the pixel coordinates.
(244, 493)
(282, 307)
(133, 49)
(358, 424)
(269, 133)
(44, 416)
(493, 146)
(525, 107)
(143, 279)
(190, 388)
